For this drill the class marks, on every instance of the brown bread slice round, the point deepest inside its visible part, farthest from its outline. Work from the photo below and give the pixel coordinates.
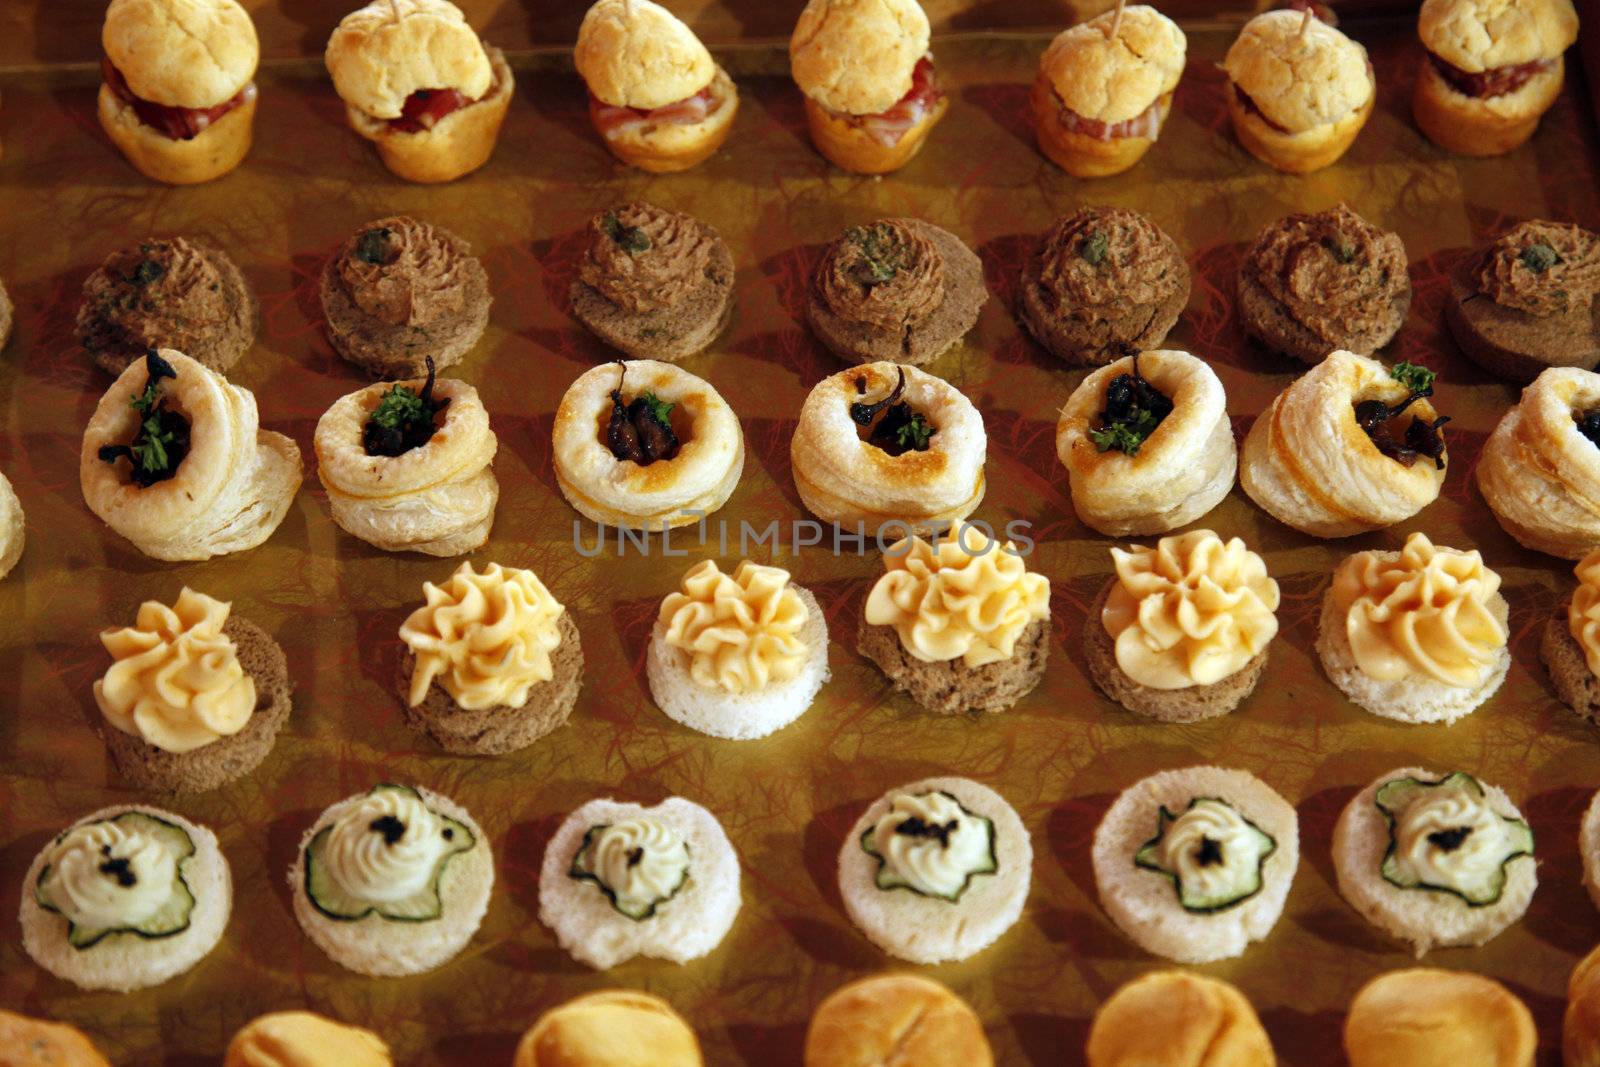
(500, 729)
(951, 687)
(1574, 682)
(228, 758)
(1270, 323)
(668, 334)
(1513, 344)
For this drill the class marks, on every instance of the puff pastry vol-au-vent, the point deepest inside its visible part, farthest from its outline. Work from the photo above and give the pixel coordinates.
(1417, 635)
(885, 444)
(13, 527)
(958, 623)
(175, 461)
(1147, 444)
(1180, 633)
(194, 697)
(1349, 447)
(645, 445)
(491, 661)
(1540, 469)
(407, 466)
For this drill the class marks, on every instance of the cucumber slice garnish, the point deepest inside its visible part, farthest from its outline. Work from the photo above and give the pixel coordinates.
(173, 916)
(1394, 797)
(886, 879)
(1193, 898)
(581, 870)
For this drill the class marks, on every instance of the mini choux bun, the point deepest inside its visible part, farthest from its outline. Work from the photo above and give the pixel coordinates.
(304, 1039)
(1580, 1031)
(1178, 1019)
(26, 1042)
(382, 53)
(610, 1028)
(636, 53)
(855, 57)
(181, 53)
(896, 1018)
(1422, 1017)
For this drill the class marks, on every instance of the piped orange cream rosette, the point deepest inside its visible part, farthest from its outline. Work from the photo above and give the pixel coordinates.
(176, 682)
(741, 631)
(1193, 610)
(1583, 610)
(963, 596)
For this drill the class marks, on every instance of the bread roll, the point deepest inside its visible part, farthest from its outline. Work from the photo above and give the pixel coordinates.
(304, 1039)
(896, 1018)
(855, 57)
(610, 1028)
(1178, 1019)
(1423, 1017)
(636, 53)
(1580, 1031)
(181, 53)
(26, 1042)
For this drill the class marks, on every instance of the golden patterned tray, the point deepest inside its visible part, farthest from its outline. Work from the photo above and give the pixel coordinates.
(66, 199)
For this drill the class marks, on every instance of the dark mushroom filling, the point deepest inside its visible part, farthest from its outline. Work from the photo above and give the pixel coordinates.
(1421, 437)
(162, 440)
(1134, 409)
(891, 424)
(1589, 424)
(641, 429)
(404, 419)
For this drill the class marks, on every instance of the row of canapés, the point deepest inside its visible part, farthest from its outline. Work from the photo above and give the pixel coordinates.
(174, 458)
(179, 98)
(1193, 865)
(1172, 1018)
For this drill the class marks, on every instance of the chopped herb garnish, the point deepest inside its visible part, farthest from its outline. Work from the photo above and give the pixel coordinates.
(1422, 438)
(1095, 247)
(1134, 408)
(373, 246)
(631, 239)
(1539, 257)
(883, 253)
(404, 419)
(162, 440)
(640, 430)
(892, 424)
(146, 272)
(1343, 251)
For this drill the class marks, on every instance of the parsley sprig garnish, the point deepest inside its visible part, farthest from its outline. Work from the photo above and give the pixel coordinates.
(1539, 257)
(404, 418)
(631, 239)
(1134, 408)
(162, 439)
(883, 253)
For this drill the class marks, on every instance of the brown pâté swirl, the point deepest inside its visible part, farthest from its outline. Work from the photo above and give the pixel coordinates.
(405, 272)
(163, 293)
(1332, 272)
(643, 258)
(1101, 256)
(1543, 268)
(888, 275)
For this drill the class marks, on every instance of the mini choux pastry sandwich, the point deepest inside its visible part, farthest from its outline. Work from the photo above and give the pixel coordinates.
(871, 92)
(13, 527)
(1417, 635)
(399, 293)
(407, 466)
(1180, 633)
(1580, 1032)
(1539, 471)
(179, 97)
(1529, 301)
(1423, 1017)
(1147, 444)
(1491, 71)
(1194, 865)
(644, 445)
(393, 881)
(1104, 89)
(1435, 860)
(1298, 90)
(737, 655)
(622, 880)
(1311, 284)
(214, 726)
(890, 1018)
(1178, 1019)
(899, 289)
(167, 293)
(1570, 643)
(26, 1042)
(174, 460)
(652, 283)
(1334, 455)
(958, 623)
(1104, 281)
(936, 870)
(125, 898)
(656, 97)
(304, 1039)
(888, 446)
(418, 82)
(610, 1028)
(492, 661)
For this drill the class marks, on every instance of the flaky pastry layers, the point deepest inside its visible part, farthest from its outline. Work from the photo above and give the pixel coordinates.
(1308, 463)
(667, 492)
(437, 499)
(1180, 472)
(228, 494)
(1539, 474)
